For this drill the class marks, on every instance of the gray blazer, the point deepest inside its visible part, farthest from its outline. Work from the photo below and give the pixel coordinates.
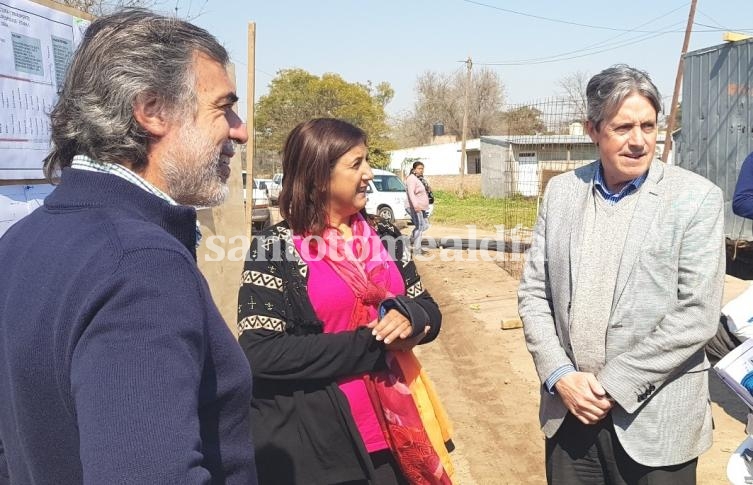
(666, 307)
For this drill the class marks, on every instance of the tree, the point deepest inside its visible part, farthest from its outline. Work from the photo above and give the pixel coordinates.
(523, 120)
(440, 97)
(574, 86)
(102, 7)
(295, 96)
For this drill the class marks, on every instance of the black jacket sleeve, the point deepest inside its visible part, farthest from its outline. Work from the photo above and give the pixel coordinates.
(280, 334)
(394, 241)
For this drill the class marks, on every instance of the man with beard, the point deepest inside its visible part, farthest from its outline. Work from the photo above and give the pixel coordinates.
(115, 364)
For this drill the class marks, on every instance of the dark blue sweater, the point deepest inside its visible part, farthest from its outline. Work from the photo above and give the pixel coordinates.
(115, 365)
(742, 202)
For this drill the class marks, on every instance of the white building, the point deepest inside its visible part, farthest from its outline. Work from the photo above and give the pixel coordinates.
(509, 165)
(438, 159)
(523, 164)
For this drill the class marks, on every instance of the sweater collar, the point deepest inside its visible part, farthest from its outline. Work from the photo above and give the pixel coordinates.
(85, 189)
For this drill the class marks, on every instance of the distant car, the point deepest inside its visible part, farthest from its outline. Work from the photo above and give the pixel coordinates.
(260, 216)
(264, 184)
(272, 188)
(275, 187)
(386, 196)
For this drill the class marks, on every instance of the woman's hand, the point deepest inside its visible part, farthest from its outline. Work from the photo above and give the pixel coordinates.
(393, 326)
(407, 343)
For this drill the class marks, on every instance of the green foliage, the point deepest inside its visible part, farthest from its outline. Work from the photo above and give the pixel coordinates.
(485, 213)
(524, 120)
(296, 95)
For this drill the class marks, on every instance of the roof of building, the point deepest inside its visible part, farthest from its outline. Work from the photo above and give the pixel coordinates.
(537, 139)
(543, 139)
(471, 144)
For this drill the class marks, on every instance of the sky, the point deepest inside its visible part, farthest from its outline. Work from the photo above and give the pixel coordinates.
(532, 45)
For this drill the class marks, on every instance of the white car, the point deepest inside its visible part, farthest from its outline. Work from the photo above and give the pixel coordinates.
(260, 215)
(386, 196)
(274, 188)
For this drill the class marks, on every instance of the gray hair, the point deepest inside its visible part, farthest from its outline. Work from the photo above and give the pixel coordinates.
(607, 90)
(127, 57)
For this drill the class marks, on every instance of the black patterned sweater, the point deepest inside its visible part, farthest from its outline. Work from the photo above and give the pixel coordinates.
(302, 426)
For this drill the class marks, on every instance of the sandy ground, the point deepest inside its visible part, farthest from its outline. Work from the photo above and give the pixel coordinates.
(487, 380)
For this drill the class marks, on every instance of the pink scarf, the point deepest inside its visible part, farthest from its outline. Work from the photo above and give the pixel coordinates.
(389, 393)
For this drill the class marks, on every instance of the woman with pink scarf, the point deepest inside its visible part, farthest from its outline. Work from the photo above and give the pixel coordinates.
(327, 297)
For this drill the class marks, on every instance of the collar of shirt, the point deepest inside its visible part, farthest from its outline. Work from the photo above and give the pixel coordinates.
(82, 162)
(611, 197)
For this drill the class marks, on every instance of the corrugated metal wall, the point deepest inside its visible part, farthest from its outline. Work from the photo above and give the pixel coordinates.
(717, 118)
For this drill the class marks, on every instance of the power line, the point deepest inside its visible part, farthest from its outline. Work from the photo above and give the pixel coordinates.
(600, 45)
(560, 21)
(718, 29)
(711, 18)
(567, 56)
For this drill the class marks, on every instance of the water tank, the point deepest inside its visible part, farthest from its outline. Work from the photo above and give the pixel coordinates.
(438, 129)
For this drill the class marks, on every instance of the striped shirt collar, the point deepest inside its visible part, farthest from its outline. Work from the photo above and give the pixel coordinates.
(82, 162)
(612, 197)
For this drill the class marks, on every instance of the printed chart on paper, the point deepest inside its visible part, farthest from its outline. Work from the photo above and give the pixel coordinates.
(36, 46)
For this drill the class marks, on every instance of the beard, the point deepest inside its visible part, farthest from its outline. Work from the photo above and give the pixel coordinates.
(194, 171)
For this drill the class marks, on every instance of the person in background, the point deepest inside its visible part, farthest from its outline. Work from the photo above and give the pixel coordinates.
(621, 290)
(742, 200)
(732, 332)
(418, 205)
(115, 364)
(429, 194)
(328, 299)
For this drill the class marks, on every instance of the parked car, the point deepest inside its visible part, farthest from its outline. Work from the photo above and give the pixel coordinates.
(260, 215)
(264, 184)
(386, 196)
(275, 187)
(272, 188)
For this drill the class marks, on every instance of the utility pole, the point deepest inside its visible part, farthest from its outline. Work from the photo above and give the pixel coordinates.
(678, 82)
(250, 125)
(469, 66)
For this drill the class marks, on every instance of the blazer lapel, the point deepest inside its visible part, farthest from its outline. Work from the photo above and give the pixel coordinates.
(579, 204)
(645, 211)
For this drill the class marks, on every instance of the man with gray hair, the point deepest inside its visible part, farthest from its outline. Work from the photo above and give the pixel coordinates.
(620, 292)
(115, 364)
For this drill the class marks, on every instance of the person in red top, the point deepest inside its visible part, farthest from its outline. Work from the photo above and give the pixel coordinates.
(327, 297)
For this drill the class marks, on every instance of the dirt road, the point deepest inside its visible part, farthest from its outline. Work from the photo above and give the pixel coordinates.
(488, 384)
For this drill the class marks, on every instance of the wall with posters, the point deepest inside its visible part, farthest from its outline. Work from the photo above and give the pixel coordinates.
(36, 45)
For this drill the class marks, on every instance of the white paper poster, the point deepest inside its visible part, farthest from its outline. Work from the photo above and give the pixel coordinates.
(17, 201)
(36, 45)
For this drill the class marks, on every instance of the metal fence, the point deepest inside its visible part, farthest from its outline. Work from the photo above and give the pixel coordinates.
(540, 140)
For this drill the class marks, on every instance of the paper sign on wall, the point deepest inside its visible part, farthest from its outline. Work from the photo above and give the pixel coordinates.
(36, 45)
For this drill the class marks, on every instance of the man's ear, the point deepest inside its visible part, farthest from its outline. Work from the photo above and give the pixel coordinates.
(592, 132)
(148, 110)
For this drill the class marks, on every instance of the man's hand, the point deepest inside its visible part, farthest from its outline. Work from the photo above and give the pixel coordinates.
(584, 397)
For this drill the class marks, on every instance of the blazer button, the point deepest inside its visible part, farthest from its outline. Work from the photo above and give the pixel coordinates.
(651, 388)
